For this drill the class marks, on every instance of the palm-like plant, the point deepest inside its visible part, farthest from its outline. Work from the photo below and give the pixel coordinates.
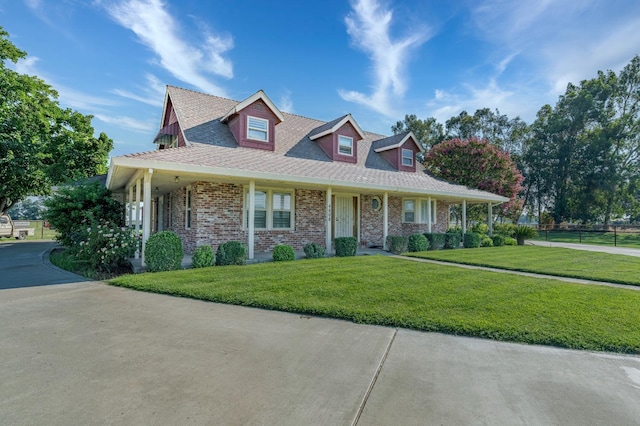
(522, 233)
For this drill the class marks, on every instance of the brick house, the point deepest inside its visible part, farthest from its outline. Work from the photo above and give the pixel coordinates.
(226, 170)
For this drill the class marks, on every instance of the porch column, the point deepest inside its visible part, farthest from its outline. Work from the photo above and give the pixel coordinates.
(385, 219)
(328, 223)
(146, 203)
(429, 215)
(252, 215)
(130, 212)
(490, 218)
(137, 223)
(464, 217)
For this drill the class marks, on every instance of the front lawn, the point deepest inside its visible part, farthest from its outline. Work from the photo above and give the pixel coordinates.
(546, 260)
(404, 293)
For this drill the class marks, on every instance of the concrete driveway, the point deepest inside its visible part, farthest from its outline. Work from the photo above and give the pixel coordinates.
(88, 353)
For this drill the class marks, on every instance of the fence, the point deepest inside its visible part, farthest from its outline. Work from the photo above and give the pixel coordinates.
(41, 229)
(616, 235)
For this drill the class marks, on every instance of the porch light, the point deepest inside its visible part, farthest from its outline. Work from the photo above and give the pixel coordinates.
(176, 179)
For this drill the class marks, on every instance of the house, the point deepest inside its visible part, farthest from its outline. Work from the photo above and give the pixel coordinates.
(226, 170)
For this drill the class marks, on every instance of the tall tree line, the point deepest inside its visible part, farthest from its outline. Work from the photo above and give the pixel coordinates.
(580, 158)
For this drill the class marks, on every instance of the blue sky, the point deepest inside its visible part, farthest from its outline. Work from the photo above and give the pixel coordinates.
(378, 60)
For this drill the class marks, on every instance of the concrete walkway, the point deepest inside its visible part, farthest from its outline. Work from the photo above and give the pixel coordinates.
(588, 247)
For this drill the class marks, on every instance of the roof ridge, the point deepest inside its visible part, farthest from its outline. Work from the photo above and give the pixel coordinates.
(202, 93)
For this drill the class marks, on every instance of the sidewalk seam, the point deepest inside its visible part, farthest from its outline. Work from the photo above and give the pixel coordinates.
(374, 379)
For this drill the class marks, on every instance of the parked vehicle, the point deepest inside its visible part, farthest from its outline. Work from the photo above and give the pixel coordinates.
(10, 229)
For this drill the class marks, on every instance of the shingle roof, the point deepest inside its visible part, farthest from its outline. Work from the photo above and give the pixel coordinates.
(211, 145)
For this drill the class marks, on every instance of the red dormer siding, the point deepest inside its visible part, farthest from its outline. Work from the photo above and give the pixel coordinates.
(171, 126)
(394, 156)
(329, 143)
(238, 126)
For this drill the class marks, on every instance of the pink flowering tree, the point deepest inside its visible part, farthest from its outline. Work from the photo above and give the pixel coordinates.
(478, 164)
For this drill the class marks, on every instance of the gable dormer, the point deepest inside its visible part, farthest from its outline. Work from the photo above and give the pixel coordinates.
(253, 122)
(338, 138)
(399, 150)
(170, 134)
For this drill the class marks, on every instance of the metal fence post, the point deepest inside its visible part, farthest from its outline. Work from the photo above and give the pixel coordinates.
(615, 236)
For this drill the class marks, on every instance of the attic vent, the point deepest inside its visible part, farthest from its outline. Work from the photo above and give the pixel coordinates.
(258, 107)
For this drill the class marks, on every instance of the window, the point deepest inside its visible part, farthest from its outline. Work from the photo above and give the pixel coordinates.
(424, 211)
(345, 145)
(407, 157)
(281, 210)
(409, 211)
(187, 223)
(273, 209)
(257, 129)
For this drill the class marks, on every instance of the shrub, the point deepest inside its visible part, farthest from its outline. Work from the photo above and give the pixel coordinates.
(505, 229)
(346, 246)
(203, 257)
(498, 240)
(480, 228)
(471, 240)
(283, 252)
(417, 242)
(163, 252)
(522, 233)
(452, 239)
(486, 241)
(313, 251)
(436, 240)
(231, 253)
(396, 243)
(508, 241)
(103, 246)
(74, 208)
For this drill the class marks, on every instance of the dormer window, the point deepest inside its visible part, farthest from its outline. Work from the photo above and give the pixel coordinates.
(257, 129)
(407, 157)
(345, 145)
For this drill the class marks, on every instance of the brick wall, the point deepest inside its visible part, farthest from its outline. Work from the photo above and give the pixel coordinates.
(371, 221)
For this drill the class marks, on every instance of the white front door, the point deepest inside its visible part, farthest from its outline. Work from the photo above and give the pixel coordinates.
(343, 219)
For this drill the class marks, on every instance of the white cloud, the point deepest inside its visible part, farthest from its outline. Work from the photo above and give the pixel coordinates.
(152, 94)
(147, 126)
(286, 104)
(369, 26)
(157, 29)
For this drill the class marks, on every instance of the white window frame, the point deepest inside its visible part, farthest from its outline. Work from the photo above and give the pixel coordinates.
(269, 194)
(188, 208)
(434, 216)
(418, 210)
(410, 157)
(350, 139)
(257, 129)
(405, 211)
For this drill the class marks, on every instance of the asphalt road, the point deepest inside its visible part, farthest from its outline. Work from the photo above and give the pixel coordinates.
(23, 264)
(89, 353)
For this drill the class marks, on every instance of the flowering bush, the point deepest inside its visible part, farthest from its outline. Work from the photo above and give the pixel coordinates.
(103, 246)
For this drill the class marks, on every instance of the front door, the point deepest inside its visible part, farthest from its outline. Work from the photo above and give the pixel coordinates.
(344, 218)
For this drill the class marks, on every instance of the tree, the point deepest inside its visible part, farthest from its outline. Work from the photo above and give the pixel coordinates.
(75, 207)
(27, 209)
(428, 131)
(478, 164)
(41, 144)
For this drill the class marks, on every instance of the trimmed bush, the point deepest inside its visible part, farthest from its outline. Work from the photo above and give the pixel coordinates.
(522, 233)
(396, 243)
(436, 240)
(480, 228)
(283, 253)
(231, 253)
(486, 241)
(202, 257)
(417, 242)
(498, 240)
(505, 229)
(313, 251)
(471, 240)
(508, 241)
(346, 246)
(163, 252)
(452, 240)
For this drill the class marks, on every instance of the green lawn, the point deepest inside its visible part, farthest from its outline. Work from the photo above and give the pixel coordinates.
(631, 240)
(547, 260)
(404, 293)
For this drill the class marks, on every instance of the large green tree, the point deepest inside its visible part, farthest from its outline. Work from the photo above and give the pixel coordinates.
(41, 144)
(428, 131)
